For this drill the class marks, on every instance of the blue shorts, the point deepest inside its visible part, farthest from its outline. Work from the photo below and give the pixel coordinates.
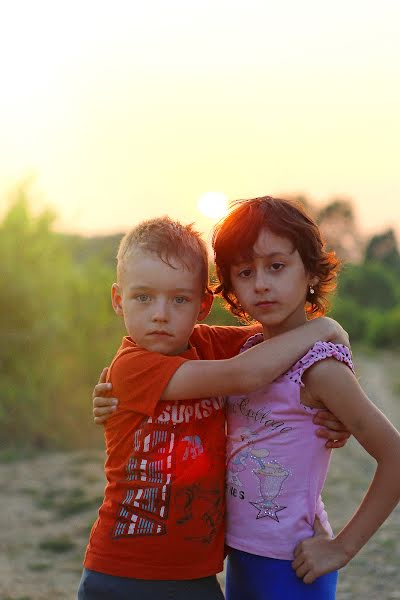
(251, 577)
(99, 586)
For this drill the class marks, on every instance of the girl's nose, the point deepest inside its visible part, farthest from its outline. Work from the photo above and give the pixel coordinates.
(261, 282)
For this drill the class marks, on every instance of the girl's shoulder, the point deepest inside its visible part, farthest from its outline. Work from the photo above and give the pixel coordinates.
(318, 353)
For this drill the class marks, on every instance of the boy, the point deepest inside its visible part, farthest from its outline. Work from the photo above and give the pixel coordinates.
(160, 530)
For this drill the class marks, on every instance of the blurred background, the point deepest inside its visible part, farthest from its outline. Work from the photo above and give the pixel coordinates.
(115, 112)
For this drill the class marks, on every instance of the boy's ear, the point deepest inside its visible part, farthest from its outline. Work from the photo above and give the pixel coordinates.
(205, 307)
(116, 299)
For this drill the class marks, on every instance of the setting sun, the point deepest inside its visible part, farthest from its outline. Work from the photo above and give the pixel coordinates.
(213, 205)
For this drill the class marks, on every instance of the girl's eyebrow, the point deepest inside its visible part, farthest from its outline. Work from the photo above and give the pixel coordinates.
(274, 253)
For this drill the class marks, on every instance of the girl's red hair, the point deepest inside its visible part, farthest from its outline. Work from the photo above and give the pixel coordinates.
(235, 235)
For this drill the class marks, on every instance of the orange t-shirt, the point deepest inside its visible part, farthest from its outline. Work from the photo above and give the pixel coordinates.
(163, 511)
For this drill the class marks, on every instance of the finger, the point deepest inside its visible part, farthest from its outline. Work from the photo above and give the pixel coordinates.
(105, 410)
(298, 550)
(103, 375)
(336, 443)
(101, 389)
(297, 562)
(100, 420)
(302, 570)
(324, 413)
(319, 529)
(309, 577)
(101, 401)
(330, 424)
(332, 434)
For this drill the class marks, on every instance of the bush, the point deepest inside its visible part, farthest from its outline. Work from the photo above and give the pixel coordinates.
(348, 313)
(384, 330)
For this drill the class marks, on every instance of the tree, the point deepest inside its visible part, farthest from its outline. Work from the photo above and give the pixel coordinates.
(339, 228)
(382, 248)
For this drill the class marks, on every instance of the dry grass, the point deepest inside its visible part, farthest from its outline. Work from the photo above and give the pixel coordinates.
(49, 503)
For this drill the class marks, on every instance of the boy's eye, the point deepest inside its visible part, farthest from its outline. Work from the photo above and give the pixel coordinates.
(277, 266)
(142, 298)
(181, 299)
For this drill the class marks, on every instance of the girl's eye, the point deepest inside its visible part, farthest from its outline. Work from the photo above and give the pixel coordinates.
(245, 273)
(181, 299)
(143, 298)
(277, 266)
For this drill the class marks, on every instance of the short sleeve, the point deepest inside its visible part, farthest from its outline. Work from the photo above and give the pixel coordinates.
(320, 351)
(219, 342)
(139, 378)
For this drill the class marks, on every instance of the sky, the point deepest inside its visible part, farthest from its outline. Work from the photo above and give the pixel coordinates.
(119, 111)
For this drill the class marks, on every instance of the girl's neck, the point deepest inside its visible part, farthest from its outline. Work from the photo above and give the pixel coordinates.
(288, 325)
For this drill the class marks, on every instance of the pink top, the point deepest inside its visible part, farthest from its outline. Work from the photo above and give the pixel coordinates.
(276, 465)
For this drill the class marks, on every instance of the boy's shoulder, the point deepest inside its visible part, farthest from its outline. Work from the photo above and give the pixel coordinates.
(227, 339)
(130, 353)
(139, 376)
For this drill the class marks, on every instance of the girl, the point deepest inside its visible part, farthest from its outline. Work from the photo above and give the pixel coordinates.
(273, 269)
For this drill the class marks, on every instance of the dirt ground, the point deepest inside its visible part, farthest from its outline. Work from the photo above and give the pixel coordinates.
(49, 503)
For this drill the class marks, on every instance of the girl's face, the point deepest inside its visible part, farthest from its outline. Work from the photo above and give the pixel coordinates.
(272, 286)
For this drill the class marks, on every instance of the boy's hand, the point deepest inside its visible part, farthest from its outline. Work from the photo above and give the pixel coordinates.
(318, 555)
(103, 406)
(333, 429)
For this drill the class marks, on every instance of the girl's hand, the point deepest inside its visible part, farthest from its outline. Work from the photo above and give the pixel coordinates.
(103, 406)
(337, 335)
(318, 555)
(333, 429)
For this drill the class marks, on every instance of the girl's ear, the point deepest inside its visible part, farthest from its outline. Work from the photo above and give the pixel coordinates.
(116, 299)
(313, 281)
(205, 307)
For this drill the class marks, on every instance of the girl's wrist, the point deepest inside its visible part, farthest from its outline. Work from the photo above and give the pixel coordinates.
(345, 548)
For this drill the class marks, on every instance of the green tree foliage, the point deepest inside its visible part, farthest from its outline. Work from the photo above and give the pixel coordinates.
(369, 285)
(383, 249)
(57, 329)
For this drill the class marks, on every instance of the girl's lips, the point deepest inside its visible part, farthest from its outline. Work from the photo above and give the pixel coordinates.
(266, 303)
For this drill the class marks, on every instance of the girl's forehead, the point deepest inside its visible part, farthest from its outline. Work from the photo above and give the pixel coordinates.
(268, 244)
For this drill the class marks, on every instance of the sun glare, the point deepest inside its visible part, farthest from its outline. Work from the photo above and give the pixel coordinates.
(213, 205)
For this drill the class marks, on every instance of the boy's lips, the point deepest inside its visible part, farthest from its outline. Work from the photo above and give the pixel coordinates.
(160, 333)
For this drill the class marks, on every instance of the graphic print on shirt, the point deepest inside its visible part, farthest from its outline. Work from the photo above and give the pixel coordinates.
(159, 458)
(155, 473)
(202, 506)
(270, 475)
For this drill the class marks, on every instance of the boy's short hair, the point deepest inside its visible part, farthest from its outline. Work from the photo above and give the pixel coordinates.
(168, 239)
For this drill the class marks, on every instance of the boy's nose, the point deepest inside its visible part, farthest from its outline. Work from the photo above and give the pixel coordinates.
(160, 314)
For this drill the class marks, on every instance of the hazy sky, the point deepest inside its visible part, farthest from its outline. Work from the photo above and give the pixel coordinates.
(122, 110)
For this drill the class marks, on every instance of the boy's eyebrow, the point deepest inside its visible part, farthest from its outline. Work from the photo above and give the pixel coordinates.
(148, 288)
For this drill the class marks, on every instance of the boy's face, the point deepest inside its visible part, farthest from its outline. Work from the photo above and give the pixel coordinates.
(160, 303)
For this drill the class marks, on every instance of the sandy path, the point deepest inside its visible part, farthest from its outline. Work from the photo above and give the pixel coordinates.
(49, 502)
